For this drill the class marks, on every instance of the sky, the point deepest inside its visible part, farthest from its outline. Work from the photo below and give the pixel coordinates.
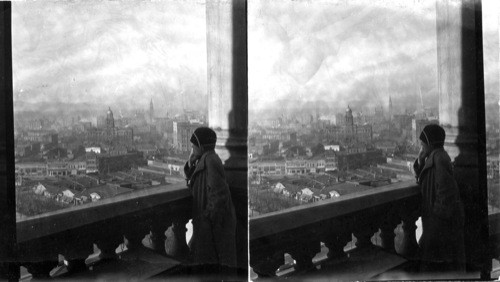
(120, 54)
(338, 53)
(302, 53)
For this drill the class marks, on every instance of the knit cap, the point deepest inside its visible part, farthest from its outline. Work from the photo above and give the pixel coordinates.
(433, 134)
(204, 137)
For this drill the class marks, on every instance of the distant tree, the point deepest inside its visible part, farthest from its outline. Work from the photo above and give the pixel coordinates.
(267, 201)
(318, 149)
(80, 151)
(29, 204)
(296, 151)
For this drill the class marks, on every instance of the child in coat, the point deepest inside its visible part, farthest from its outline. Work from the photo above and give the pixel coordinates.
(442, 241)
(213, 244)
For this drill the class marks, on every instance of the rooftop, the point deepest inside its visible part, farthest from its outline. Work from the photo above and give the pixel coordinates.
(105, 191)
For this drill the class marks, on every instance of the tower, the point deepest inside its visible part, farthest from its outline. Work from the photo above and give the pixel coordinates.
(390, 109)
(349, 130)
(349, 119)
(151, 111)
(110, 120)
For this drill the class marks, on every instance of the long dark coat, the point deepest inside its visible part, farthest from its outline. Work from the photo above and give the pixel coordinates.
(442, 212)
(214, 219)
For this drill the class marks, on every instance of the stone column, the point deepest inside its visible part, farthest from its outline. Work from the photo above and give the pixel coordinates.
(461, 112)
(228, 101)
(7, 178)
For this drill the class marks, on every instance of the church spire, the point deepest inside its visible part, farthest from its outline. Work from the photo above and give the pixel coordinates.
(151, 111)
(390, 108)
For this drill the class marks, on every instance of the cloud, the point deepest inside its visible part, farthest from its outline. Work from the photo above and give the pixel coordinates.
(342, 52)
(115, 52)
(109, 52)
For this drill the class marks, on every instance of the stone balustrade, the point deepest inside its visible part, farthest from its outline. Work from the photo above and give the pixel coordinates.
(128, 219)
(299, 231)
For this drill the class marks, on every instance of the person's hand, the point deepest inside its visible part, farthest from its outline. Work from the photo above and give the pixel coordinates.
(422, 154)
(195, 155)
(193, 158)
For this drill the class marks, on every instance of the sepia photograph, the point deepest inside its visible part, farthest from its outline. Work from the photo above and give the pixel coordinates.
(344, 98)
(118, 169)
(250, 140)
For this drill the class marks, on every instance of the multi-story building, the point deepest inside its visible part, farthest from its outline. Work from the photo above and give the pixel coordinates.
(108, 131)
(379, 113)
(297, 166)
(147, 150)
(271, 147)
(31, 169)
(273, 134)
(23, 149)
(124, 133)
(389, 147)
(402, 122)
(305, 165)
(182, 132)
(339, 119)
(316, 164)
(91, 162)
(116, 150)
(101, 122)
(349, 132)
(57, 168)
(42, 136)
(331, 163)
(268, 168)
(77, 166)
(164, 126)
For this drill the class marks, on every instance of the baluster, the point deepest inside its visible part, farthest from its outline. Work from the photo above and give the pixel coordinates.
(409, 245)
(76, 254)
(265, 264)
(387, 228)
(39, 257)
(304, 253)
(108, 246)
(335, 243)
(41, 270)
(363, 236)
(387, 235)
(157, 238)
(134, 238)
(175, 244)
(76, 265)
(410, 213)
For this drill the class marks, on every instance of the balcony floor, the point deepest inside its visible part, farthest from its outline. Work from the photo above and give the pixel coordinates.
(407, 272)
(374, 264)
(137, 265)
